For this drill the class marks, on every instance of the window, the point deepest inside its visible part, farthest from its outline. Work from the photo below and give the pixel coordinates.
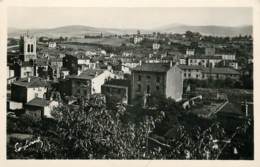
(157, 88)
(28, 48)
(36, 94)
(139, 77)
(139, 87)
(185, 74)
(189, 75)
(31, 47)
(158, 79)
(148, 89)
(148, 77)
(197, 76)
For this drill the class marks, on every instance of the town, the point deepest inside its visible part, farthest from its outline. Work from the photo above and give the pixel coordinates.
(132, 96)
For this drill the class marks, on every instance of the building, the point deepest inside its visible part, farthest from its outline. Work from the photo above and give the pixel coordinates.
(23, 70)
(41, 67)
(190, 52)
(40, 108)
(27, 48)
(206, 61)
(156, 46)
(192, 72)
(157, 78)
(209, 51)
(76, 63)
(227, 56)
(88, 82)
(10, 75)
(26, 89)
(52, 44)
(117, 91)
(138, 39)
(221, 73)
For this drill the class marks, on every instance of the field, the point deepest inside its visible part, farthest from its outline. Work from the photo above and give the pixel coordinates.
(112, 41)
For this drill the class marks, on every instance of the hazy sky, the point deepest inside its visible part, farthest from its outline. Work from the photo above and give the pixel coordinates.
(143, 18)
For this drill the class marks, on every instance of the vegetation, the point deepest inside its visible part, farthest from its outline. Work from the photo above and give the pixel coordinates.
(90, 131)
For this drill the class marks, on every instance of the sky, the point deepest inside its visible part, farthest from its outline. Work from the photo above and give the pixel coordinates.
(142, 18)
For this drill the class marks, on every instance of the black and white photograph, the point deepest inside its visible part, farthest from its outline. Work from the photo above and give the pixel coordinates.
(130, 83)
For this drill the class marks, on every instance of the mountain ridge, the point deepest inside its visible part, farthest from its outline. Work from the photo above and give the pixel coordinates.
(81, 30)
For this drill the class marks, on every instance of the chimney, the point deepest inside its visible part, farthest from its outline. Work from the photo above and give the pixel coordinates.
(140, 62)
(28, 79)
(171, 63)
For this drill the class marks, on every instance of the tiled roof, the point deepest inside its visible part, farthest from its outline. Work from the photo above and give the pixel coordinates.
(205, 57)
(34, 82)
(221, 70)
(184, 67)
(118, 82)
(39, 102)
(88, 74)
(41, 62)
(153, 67)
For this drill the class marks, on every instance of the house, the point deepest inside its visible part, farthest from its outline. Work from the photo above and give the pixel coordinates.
(23, 70)
(221, 73)
(10, 75)
(26, 89)
(52, 45)
(117, 91)
(157, 78)
(40, 108)
(190, 52)
(156, 46)
(138, 39)
(76, 63)
(55, 66)
(41, 67)
(210, 51)
(88, 82)
(191, 72)
(227, 56)
(64, 72)
(206, 61)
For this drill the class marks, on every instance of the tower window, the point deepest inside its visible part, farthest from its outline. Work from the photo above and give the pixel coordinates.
(28, 48)
(31, 47)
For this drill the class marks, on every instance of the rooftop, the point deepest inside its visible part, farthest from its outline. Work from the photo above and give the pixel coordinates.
(39, 102)
(118, 82)
(88, 74)
(221, 70)
(192, 67)
(205, 57)
(31, 82)
(153, 67)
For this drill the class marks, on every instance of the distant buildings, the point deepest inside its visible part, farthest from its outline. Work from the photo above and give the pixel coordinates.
(203, 73)
(206, 61)
(157, 78)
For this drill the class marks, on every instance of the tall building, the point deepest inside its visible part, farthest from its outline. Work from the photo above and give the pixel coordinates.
(157, 78)
(28, 47)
